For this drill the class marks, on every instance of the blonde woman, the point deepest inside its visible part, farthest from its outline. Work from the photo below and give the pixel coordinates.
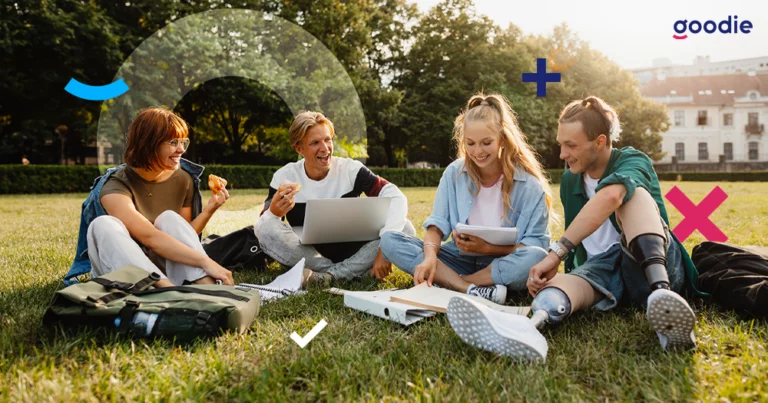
(495, 182)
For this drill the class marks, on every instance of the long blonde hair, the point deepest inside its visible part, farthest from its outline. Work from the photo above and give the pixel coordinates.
(495, 112)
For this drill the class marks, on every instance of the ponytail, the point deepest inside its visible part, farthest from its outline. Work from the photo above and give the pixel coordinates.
(596, 117)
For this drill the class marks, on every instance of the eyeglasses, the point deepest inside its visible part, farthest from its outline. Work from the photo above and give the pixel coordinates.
(176, 142)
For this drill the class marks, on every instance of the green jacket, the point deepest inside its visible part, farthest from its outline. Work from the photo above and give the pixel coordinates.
(630, 168)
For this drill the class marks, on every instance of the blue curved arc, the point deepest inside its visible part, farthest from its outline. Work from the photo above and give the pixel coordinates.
(96, 93)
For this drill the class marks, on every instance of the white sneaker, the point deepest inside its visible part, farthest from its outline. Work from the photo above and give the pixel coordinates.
(498, 332)
(494, 293)
(672, 319)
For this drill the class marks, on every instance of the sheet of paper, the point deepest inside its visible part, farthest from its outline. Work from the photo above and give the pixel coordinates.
(436, 299)
(288, 283)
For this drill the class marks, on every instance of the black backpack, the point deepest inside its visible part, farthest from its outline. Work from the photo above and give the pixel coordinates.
(236, 250)
(735, 277)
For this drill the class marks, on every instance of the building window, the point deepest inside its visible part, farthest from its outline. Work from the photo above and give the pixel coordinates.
(727, 119)
(728, 151)
(752, 118)
(753, 150)
(680, 151)
(703, 154)
(702, 118)
(679, 118)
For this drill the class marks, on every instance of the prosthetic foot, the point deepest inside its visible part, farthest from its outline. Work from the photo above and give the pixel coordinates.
(668, 313)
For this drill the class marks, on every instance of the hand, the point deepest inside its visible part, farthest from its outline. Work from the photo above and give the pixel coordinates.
(215, 271)
(283, 202)
(542, 272)
(425, 271)
(469, 243)
(381, 267)
(217, 200)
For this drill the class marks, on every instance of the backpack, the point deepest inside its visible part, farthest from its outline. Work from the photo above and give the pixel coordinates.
(736, 277)
(238, 249)
(126, 301)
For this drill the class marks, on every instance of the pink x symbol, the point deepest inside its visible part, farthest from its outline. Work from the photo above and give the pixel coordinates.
(697, 217)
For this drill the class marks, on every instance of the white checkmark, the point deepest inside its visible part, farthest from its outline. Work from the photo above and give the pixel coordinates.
(303, 341)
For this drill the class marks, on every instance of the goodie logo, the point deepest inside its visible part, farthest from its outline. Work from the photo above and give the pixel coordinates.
(730, 25)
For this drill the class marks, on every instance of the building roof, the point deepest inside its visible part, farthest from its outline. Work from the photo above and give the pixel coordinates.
(705, 90)
(700, 61)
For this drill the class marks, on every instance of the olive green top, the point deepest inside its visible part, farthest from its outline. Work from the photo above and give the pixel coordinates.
(171, 194)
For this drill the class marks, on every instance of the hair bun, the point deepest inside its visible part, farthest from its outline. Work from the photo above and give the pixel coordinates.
(484, 102)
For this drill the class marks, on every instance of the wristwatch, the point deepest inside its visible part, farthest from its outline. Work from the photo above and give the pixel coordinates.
(558, 249)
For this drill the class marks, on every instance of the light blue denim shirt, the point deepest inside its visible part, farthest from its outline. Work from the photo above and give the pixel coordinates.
(454, 200)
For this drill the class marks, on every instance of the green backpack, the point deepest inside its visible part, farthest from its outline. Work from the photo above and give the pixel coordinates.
(125, 300)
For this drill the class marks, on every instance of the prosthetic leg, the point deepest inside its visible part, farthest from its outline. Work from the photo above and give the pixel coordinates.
(643, 231)
(644, 235)
(563, 295)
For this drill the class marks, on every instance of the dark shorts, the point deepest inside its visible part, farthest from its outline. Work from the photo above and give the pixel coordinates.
(619, 277)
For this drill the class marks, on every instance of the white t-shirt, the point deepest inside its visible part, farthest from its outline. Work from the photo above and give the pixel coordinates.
(488, 210)
(605, 236)
(347, 178)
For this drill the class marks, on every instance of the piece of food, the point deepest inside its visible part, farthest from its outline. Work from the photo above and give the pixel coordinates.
(286, 184)
(216, 184)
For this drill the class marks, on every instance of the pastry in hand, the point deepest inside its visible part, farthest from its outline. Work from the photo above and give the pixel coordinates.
(216, 184)
(286, 184)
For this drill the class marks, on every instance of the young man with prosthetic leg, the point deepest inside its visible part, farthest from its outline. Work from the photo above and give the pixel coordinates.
(617, 247)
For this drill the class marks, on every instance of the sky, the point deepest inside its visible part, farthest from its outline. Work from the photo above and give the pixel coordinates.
(634, 33)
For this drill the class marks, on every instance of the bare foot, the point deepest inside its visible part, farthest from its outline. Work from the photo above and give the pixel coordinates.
(206, 280)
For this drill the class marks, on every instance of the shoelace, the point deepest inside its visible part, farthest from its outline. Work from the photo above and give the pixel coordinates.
(485, 292)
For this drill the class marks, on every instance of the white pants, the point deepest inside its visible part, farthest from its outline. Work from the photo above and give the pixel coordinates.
(111, 247)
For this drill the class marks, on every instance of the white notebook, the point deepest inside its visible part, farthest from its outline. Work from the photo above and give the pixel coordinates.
(494, 235)
(378, 303)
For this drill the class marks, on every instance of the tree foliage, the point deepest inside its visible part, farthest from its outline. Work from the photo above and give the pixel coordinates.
(413, 73)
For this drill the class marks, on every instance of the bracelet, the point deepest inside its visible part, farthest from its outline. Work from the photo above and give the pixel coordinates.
(431, 244)
(568, 244)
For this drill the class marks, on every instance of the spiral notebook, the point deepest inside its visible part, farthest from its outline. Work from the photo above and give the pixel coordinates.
(288, 283)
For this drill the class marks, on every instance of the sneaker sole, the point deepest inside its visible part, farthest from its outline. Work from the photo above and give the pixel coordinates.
(469, 322)
(671, 316)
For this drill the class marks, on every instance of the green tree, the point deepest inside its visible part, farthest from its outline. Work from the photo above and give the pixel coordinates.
(43, 44)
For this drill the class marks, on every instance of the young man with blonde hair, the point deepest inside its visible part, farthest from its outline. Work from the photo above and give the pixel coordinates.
(320, 175)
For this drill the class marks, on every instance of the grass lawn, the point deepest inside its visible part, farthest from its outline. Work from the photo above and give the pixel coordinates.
(594, 356)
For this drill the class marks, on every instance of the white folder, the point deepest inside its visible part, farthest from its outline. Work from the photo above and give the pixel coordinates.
(377, 303)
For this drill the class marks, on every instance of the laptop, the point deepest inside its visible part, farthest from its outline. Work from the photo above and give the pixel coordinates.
(348, 219)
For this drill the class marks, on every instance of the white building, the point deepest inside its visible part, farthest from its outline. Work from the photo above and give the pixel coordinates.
(713, 115)
(701, 66)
